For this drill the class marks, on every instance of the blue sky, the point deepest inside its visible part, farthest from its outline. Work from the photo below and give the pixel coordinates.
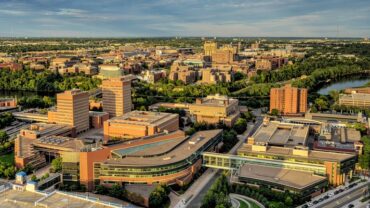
(146, 18)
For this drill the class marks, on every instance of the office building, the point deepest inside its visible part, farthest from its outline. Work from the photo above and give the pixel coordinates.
(288, 100)
(209, 48)
(72, 109)
(117, 96)
(365, 90)
(360, 100)
(139, 124)
(214, 109)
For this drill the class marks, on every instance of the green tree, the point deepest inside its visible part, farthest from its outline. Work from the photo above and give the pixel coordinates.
(100, 189)
(116, 191)
(288, 201)
(240, 125)
(159, 196)
(33, 178)
(4, 137)
(57, 164)
(275, 112)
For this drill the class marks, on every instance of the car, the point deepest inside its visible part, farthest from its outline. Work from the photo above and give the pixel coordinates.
(336, 192)
(331, 194)
(315, 202)
(305, 206)
(309, 204)
(351, 206)
(326, 197)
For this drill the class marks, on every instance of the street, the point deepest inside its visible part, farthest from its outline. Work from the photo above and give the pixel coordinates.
(193, 196)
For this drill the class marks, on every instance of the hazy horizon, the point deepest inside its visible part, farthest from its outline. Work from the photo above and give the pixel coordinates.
(185, 18)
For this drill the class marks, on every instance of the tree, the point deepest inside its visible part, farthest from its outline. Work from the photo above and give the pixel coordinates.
(240, 125)
(57, 164)
(33, 178)
(159, 196)
(364, 159)
(321, 104)
(4, 137)
(275, 112)
(288, 201)
(100, 189)
(116, 191)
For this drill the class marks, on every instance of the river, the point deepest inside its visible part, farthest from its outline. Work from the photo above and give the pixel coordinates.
(343, 84)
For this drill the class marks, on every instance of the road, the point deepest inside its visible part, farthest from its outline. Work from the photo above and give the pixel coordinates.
(353, 195)
(193, 196)
(343, 198)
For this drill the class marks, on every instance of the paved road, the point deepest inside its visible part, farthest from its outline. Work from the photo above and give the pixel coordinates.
(193, 196)
(345, 197)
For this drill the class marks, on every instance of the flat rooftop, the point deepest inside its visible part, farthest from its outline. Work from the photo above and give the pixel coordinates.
(289, 178)
(355, 96)
(164, 151)
(216, 101)
(146, 118)
(59, 143)
(282, 134)
(288, 152)
(18, 199)
(47, 129)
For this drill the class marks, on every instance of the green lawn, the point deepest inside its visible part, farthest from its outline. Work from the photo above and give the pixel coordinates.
(8, 158)
(244, 205)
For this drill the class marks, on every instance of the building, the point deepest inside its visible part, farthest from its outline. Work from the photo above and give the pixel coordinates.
(140, 124)
(171, 158)
(276, 133)
(215, 109)
(365, 90)
(97, 119)
(72, 109)
(214, 76)
(24, 151)
(182, 72)
(336, 137)
(360, 100)
(152, 76)
(282, 179)
(8, 103)
(223, 56)
(117, 96)
(209, 48)
(110, 71)
(288, 100)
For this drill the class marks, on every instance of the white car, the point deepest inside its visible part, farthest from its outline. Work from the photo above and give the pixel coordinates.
(309, 204)
(331, 194)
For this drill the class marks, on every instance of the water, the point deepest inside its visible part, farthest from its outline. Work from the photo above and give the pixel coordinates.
(343, 84)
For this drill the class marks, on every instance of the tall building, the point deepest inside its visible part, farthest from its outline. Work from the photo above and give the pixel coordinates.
(117, 96)
(288, 100)
(73, 109)
(209, 48)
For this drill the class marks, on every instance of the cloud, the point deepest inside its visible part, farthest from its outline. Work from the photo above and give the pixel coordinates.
(187, 17)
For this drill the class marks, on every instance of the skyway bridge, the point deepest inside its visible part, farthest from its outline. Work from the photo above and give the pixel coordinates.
(234, 162)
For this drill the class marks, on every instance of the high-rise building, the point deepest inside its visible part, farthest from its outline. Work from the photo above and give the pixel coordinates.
(117, 96)
(73, 109)
(288, 100)
(209, 48)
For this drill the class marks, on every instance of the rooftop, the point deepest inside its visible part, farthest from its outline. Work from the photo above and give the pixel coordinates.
(355, 96)
(164, 151)
(288, 152)
(290, 178)
(143, 118)
(278, 133)
(216, 100)
(60, 143)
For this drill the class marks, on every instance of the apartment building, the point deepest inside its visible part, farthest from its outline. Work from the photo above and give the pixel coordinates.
(288, 100)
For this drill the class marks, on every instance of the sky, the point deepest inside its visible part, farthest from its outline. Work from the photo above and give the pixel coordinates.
(163, 18)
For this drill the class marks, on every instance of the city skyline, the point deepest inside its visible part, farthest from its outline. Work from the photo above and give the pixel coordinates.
(163, 18)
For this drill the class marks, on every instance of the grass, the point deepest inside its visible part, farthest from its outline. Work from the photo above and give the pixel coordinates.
(245, 205)
(8, 158)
